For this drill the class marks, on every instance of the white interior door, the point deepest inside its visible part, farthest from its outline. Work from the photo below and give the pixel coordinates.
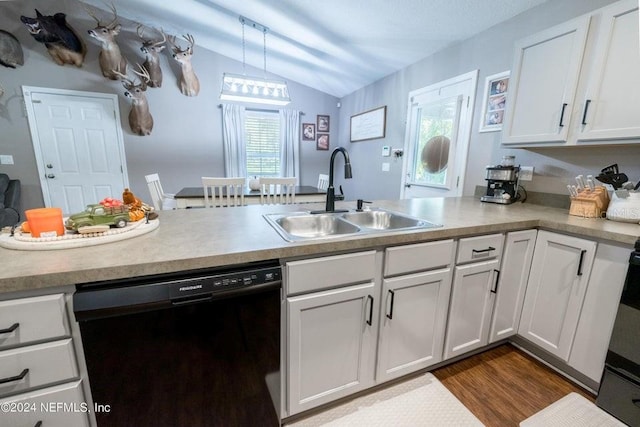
(78, 145)
(437, 137)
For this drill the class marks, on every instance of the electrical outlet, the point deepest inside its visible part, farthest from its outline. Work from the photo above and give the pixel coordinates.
(6, 160)
(526, 173)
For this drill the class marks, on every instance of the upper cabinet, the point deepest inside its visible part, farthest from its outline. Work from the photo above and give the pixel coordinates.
(577, 83)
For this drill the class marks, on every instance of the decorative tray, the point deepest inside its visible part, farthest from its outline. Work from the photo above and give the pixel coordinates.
(24, 241)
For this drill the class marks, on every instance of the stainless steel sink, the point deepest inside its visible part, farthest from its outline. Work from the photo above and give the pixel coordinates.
(305, 226)
(385, 220)
(302, 226)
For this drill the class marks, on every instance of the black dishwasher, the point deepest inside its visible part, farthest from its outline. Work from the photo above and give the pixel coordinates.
(619, 392)
(200, 348)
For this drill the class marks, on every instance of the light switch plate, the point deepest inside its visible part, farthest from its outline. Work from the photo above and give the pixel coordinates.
(526, 173)
(385, 167)
(6, 160)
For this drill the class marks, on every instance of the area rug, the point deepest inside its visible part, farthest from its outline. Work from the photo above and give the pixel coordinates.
(572, 410)
(422, 401)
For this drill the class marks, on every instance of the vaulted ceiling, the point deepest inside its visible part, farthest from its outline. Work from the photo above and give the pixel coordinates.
(335, 46)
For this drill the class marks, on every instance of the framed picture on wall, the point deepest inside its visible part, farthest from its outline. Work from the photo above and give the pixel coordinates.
(308, 132)
(323, 141)
(495, 100)
(323, 123)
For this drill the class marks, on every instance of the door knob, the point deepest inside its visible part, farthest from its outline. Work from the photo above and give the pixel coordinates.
(51, 175)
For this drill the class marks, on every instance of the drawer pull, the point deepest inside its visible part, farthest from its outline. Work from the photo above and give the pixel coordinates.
(393, 297)
(480, 251)
(16, 378)
(564, 106)
(38, 424)
(10, 329)
(370, 320)
(495, 287)
(582, 252)
(586, 108)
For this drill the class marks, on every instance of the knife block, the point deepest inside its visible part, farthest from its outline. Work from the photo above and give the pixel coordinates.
(590, 204)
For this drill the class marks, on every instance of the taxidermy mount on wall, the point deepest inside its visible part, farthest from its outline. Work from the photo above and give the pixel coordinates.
(62, 42)
(10, 50)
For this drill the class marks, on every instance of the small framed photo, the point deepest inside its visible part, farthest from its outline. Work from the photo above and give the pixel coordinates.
(495, 100)
(323, 141)
(323, 123)
(308, 132)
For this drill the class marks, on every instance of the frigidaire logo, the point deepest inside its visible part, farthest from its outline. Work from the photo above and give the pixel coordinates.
(190, 288)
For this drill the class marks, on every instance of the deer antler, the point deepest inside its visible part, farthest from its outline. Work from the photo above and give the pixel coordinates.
(189, 38)
(124, 78)
(138, 30)
(144, 74)
(91, 14)
(164, 38)
(110, 25)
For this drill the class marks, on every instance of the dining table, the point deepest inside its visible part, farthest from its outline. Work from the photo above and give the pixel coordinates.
(193, 197)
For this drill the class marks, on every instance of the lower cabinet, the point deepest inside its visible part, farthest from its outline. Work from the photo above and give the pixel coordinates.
(412, 322)
(331, 344)
(512, 284)
(556, 290)
(471, 307)
(58, 406)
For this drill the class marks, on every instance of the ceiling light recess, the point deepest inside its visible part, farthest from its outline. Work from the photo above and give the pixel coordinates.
(260, 90)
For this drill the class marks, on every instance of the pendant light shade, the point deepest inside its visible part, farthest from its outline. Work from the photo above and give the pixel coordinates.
(260, 90)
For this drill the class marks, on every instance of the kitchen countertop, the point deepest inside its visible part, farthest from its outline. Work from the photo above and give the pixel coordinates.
(199, 238)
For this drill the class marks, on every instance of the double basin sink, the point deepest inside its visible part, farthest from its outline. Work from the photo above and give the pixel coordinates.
(302, 226)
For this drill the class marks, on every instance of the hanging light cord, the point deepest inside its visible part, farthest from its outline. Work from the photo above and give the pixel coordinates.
(264, 44)
(244, 71)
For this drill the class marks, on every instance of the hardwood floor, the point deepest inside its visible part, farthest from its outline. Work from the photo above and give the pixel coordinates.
(504, 386)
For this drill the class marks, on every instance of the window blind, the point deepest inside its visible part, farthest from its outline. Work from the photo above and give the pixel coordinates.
(262, 131)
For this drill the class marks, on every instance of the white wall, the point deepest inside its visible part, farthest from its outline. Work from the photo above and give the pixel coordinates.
(186, 142)
(490, 52)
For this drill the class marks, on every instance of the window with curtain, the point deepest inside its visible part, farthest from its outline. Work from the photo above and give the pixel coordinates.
(262, 132)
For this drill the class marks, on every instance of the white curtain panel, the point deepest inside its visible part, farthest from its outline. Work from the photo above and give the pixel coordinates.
(290, 147)
(235, 152)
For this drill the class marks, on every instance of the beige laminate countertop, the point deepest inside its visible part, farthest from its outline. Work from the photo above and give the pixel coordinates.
(199, 238)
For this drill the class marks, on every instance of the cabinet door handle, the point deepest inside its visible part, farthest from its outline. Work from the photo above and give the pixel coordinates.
(18, 377)
(479, 251)
(584, 114)
(38, 424)
(564, 106)
(582, 252)
(393, 298)
(10, 329)
(636, 402)
(495, 285)
(370, 320)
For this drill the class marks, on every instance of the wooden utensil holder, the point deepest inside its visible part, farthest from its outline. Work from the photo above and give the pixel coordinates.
(590, 204)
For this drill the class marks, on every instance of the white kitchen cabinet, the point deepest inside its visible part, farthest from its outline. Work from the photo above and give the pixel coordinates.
(412, 322)
(331, 344)
(599, 309)
(512, 284)
(591, 93)
(470, 307)
(57, 406)
(611, 102)
(544, 78)
(556, 289)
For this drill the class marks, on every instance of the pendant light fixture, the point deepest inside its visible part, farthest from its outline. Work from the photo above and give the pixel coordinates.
(243, 88)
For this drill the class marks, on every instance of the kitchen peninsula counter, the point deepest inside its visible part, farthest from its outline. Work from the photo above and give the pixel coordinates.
(200, 238)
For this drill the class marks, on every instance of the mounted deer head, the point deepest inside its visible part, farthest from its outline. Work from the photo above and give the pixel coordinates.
(112, 63)
(140, 119)
(152, 48)
(189, 83)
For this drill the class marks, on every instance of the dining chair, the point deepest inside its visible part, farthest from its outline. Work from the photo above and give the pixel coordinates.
(225, 192)
(161, 200)
(323, 181)
(275, 191)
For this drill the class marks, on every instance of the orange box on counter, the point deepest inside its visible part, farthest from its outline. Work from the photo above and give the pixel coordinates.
(45, 222)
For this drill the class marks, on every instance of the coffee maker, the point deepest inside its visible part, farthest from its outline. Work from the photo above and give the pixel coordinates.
(502, 184)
